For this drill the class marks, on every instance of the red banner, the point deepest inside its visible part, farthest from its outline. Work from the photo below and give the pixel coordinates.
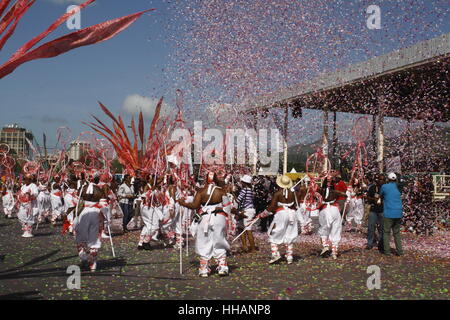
(91, 35)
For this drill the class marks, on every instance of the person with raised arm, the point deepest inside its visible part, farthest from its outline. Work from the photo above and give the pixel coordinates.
(284, 226)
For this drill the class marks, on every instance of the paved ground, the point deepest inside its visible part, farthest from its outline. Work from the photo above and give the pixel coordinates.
(35, 268)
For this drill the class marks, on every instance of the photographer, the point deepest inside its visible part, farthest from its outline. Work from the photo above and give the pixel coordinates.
(392, 214)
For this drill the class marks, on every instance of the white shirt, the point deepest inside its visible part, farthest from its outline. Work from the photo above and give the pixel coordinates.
(124, 190)
(33, 190)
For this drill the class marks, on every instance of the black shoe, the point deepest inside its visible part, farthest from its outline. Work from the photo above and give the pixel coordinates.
(140, 247)
(147, 246)
(369, 247)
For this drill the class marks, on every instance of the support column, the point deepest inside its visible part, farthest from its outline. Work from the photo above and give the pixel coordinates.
(255, 159)
(325, 137)
(409, 148)
(380, 142)
(285, 157)
(374, 133)
(335, 139)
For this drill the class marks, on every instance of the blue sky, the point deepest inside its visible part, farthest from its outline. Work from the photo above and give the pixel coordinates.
(43, 95)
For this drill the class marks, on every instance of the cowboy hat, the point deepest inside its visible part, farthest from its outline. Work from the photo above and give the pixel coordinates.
(284, 182)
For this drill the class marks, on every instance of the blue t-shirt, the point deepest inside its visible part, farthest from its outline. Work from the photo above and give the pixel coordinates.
(392, 200)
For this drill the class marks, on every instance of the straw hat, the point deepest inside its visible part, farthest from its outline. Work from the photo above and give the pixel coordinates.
(284, 182)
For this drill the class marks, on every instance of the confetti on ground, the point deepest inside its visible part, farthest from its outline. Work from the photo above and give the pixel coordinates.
(35, 268)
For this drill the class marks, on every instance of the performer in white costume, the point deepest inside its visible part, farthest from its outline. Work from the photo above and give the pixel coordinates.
(56, 200)
(304, 211)
(44, 203)
(182, 217)
(70, 203)
(210, 236)
(355, 205)
(88, 223)
(330, 220)
(8, 201)
(152, 204)
(170, 198)
(105, 185)
(284, 227)
(28, 207)
(231, 219)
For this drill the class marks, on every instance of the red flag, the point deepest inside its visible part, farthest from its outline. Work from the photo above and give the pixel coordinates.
(17, 16)
(50, 29)
(9, 17)
(141, 127)
(155, 117)
(3, 5)
(91, 35)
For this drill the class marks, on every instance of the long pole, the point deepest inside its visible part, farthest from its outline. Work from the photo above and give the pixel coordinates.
(247, 227)
(181, 246)
(110, 239)
(380, 135)
(285, 160)
(187, 231)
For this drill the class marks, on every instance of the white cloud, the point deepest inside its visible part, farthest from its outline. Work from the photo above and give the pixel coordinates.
(135, 103)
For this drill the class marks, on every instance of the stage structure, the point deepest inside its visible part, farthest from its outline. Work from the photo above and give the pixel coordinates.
(411, 83)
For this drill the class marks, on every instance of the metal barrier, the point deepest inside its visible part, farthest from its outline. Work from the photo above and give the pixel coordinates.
(441, 185)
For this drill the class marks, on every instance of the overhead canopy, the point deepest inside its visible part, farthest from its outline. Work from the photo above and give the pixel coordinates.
(410, 83)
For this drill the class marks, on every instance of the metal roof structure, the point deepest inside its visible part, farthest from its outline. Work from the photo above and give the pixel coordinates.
(408, 73)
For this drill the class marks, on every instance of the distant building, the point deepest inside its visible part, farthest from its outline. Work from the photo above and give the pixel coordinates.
(51, 158)
(76, 149)
(15, 137)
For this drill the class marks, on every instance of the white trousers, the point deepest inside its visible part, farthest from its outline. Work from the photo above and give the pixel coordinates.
(284, 227)
(88, 227)
(57, 206)
(330, 224)
(304, 216)
(8, 203)
(27, 213)
(210, 240)
(250, 215)
(44, 204)
(151, 216)
(181, 220)
(355, 211)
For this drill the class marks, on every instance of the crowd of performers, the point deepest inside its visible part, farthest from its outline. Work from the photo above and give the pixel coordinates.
(216, 211)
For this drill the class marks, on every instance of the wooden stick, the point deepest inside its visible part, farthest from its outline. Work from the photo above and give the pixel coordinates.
(246, 228)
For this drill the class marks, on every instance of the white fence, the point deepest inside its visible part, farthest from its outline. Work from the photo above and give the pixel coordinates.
(441, 185)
